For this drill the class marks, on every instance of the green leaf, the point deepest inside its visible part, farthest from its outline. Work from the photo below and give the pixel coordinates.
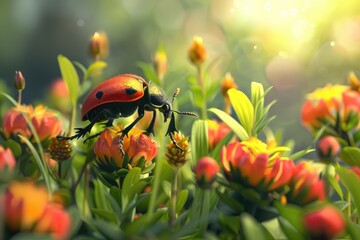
(199, 141)
(70, 77)
(15, 147)
(105, 214)
(292, 214)
(149, 72)
(231, 202)
(251, 229)
(181, 200)
(257, 98)
(243, 109)
(131, 179)
(301, 153)
(95, 69)
(231, 122)
(197, 96)
(289, 230)
(353, 229)
(351, 182)
(351, 155)
(75, 220)
(216, 152)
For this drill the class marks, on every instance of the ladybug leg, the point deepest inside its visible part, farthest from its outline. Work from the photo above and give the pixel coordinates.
(126, 130)
(80, 132)
(171, 130)
(107, 124)
(150, 129)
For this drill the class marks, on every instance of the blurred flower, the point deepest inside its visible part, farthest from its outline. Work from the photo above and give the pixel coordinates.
(7, 159)
(197, 51)
(27, 208)
(45, 122)
(356, 170)
(175, 156)
(353, 81)
(15, 123)
(60, 150)
(326, 104)
(228, 82)
(251, 163)
(305, 185)
(59, 95)
(205, 171)
(216, 132)
(19, 81)
(99, 45)
(136, 146)
(328, 148)
(160, 63)
(324, 223)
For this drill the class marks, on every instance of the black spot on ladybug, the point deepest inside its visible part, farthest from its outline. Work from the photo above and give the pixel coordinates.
(99, 94)
(130, 91)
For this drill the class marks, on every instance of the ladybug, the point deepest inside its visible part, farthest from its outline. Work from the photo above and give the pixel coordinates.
(121, 96)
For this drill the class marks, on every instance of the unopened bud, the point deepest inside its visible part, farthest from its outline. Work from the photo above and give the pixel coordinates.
(197, 51)
(19, 81)
(354, 81)
(328, 148)
(205, 171)
(99, 46)
(160, 63)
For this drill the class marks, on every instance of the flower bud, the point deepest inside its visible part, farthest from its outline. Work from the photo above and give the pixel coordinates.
(7, 159)
(197, 51)
(328, 148)
(160, 63)
(19, 81)
(99, 46)
(324, 223)
(205, 171)
(353, 81)
(175, 156)
(228, 82)
(60, 150)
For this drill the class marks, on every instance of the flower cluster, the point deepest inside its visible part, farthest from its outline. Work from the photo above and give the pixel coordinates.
(28, 208)
(337, 105)
(139, 149)
(46, 123)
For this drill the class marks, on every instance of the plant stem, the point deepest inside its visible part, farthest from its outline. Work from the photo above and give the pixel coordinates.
(204, 211)
(86, 189)
(59, 168)
(173, 197)
(348, 209)
(72, 120)
(202, 86)
(19, 97)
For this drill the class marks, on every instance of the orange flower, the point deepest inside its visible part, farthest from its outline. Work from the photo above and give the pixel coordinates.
(197, 51)
(15, 123)
(136, 147)
(325, 104)
(7, 159)
(324, 223)
(28, 208)
(205, 171)
(216, 132)
(59, 95)
(250, 164)
(305, 185)
(45, 122)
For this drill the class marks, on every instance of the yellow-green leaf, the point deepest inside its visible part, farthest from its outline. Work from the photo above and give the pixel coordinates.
(70, 77)
(243, 109)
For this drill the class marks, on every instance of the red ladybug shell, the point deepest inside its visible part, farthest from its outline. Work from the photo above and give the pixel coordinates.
(120, 88)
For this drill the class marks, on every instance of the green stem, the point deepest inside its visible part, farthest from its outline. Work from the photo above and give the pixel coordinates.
(73, 119)
(59, 168)
(202, 86)
(19, 97)
(86, 190)
(174, 192)
(204, 211)
(348, 209)
(327, 182)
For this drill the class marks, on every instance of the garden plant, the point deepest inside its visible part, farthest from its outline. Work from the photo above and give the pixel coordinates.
(224, 174)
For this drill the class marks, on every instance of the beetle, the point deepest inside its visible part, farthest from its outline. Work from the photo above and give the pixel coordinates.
(121, 96)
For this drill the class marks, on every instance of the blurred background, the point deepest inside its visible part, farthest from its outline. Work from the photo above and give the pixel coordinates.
(294, 46)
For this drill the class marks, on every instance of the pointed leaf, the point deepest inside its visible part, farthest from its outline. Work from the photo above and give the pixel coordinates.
(231, 122)
(199, 142)
(351, 155)
(70, 77)
(243, 109)
(251, 229)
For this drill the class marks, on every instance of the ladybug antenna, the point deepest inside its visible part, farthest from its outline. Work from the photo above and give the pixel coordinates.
(185, 113)
(177, 91)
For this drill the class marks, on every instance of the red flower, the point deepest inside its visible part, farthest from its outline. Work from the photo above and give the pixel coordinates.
(205, 171)
(137, 145)
(324, 223)
(216, 132)
(328, 148)
(28, 208)
(7, 159)
(305, 185)
(249, 163)
(45, 122)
